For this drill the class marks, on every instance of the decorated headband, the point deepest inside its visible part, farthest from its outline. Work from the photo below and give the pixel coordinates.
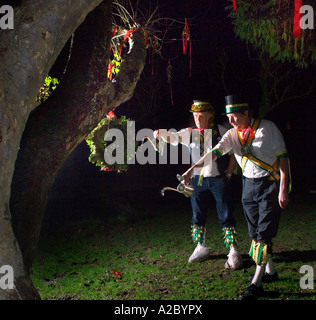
(230, 108)
(201, 106)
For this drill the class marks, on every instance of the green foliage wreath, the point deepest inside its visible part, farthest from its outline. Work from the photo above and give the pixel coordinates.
(97, 145)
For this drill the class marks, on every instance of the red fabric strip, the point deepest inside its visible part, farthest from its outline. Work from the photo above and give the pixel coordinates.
(297, 19)
(235, 7)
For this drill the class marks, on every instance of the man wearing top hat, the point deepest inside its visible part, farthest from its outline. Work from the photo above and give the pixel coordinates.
(260, 151)
(212, 179)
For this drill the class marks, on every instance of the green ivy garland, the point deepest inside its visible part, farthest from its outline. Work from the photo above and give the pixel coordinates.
(95, 141)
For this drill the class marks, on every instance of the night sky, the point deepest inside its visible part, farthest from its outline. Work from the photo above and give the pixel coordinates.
(82, 189)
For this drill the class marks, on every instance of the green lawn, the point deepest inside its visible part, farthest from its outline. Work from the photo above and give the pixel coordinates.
(78, 259)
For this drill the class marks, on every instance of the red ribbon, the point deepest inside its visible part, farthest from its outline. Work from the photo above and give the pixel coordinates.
(146, 38)
(234, 3)
(128, 33)
(297, 19)
(243, 132)
(185, 37)
(114, 31)
(110, 70)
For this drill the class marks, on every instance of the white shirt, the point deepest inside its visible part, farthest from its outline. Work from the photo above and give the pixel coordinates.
(184, 137)
(267, 146)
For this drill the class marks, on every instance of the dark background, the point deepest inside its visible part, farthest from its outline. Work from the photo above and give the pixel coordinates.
(82, 190)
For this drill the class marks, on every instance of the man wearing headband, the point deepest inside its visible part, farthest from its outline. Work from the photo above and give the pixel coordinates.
(260, 151)
(212, 179)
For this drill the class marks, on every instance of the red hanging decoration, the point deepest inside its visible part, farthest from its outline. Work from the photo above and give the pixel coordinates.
(128, 33)
(110, 71)
(185, 37)
(235, 6)
(146, 38)
(113, 34)
(297, 18)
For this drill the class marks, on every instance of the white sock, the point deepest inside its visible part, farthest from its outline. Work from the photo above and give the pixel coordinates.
(269, 266)
(233, 250)
(258, 275)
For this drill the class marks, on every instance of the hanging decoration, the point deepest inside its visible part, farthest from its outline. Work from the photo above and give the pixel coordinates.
(297, 18)
(95, 141)
(115, 63)
(235, 6)
(186, 39)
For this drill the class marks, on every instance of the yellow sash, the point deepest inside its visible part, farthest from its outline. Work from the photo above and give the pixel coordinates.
(273, 170)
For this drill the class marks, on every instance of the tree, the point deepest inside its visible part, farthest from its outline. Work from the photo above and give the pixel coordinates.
(267, 29)
(54, 128)
(268, 25)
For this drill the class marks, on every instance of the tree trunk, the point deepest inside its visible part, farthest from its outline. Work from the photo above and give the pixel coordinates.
(56, 127)
(27, 52)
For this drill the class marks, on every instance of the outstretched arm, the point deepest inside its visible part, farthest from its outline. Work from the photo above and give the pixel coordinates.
(167, 136)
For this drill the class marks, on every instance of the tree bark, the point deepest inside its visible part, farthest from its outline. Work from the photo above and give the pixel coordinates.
(57, 126)
(27, 52)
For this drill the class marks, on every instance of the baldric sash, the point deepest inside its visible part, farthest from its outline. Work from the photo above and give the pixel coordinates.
(247, 155)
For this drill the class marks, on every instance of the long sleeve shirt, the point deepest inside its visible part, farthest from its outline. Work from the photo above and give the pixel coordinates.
(267, 146)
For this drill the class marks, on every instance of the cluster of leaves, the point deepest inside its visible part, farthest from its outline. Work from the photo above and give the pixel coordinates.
(268, 25)
(48, 87)
(98, 145)
(114, 65)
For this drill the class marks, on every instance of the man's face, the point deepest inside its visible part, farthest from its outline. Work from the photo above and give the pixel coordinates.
(201, 119)
(239, 120)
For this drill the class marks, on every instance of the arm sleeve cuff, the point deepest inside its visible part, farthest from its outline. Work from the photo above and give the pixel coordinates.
(282, 154)
(218, 152)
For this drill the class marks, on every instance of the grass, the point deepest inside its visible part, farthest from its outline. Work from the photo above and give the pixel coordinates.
(77, 260)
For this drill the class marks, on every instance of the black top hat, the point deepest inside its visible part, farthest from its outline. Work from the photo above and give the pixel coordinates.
(235, 103)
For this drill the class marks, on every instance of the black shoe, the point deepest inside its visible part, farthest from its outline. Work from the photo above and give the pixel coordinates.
(252, 293)
(268, 278)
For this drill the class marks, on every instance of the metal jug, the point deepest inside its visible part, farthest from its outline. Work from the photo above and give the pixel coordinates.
(187, 190)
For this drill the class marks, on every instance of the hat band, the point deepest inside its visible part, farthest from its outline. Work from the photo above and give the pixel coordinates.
(201, 107)
(236, 107)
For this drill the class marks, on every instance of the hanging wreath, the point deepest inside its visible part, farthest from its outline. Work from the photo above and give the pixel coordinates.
(95, 141)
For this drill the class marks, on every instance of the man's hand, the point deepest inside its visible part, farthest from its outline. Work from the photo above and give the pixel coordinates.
(284, 198)
(284, 172)
(187, 176)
